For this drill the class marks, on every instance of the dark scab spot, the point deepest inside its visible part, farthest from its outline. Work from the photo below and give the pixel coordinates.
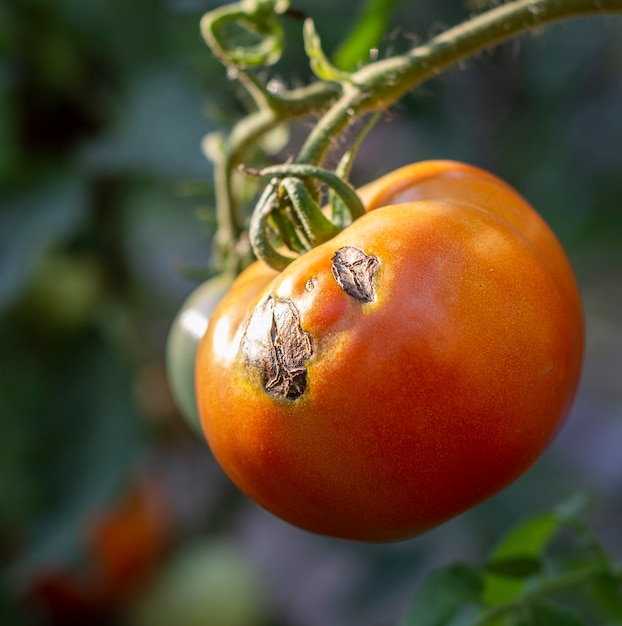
(311, 283)
(275, 342)
(354, 272)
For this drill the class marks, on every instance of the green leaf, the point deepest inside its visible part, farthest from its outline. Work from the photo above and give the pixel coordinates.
(366, 34)
(32, 221)
(605, 592)
(443, 595)
(549, 614)
(519, 554)
(8, 134)
(132, 145)
(501, 589)
(89, 437)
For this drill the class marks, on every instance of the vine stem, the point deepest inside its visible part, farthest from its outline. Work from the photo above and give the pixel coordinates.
(380, 84)
(372, 88)
(563, 582)
(279, 109)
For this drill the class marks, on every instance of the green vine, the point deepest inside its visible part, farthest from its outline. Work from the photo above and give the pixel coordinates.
(247, 35)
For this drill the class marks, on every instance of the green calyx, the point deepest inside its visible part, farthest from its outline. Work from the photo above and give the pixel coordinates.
(288, 217)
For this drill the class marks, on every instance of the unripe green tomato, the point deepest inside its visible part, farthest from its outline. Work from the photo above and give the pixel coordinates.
(209, 582)
(186, 332)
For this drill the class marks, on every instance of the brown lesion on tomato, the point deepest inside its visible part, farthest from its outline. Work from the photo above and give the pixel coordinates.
(354, 271)
(275, 343)
(311, 283)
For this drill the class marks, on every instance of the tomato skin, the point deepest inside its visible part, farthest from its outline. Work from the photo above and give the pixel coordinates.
(182, 343)
(423, 402)
(450, 181)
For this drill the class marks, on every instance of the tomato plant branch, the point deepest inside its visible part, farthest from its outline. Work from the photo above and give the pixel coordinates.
(228, 30)
(244, 136)
(340, 97)
(380, 84)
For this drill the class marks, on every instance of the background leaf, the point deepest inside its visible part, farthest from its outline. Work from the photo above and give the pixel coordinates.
(443, 595)
(32, 220)
(366, 34)
(549, 614)
(501, 589)
(520, 552)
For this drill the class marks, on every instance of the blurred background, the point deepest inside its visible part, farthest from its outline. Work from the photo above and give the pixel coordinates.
(112, 510)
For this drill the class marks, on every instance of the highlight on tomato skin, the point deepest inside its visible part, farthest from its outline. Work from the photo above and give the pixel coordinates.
(402, 372)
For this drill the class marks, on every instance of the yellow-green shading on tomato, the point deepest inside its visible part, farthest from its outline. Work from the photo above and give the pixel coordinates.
(186, 332)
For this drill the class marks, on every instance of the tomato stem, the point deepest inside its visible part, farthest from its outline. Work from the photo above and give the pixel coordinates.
(378, 85)
(243, 138)
(341, 97)
(289, 188)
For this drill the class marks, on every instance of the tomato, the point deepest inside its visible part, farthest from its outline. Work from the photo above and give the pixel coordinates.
(206, 582)
(120, 549)
(402, 372)
(182, 343)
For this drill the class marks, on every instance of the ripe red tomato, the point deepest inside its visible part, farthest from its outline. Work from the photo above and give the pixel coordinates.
(403, 371)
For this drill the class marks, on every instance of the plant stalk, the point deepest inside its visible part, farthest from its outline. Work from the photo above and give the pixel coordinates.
(380, 84)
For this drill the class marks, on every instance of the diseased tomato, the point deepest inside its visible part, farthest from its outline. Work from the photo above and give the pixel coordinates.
(405, 370)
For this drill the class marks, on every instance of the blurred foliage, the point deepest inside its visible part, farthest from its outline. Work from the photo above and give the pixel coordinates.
(104, 491)
(366, 34)
(527, 580)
